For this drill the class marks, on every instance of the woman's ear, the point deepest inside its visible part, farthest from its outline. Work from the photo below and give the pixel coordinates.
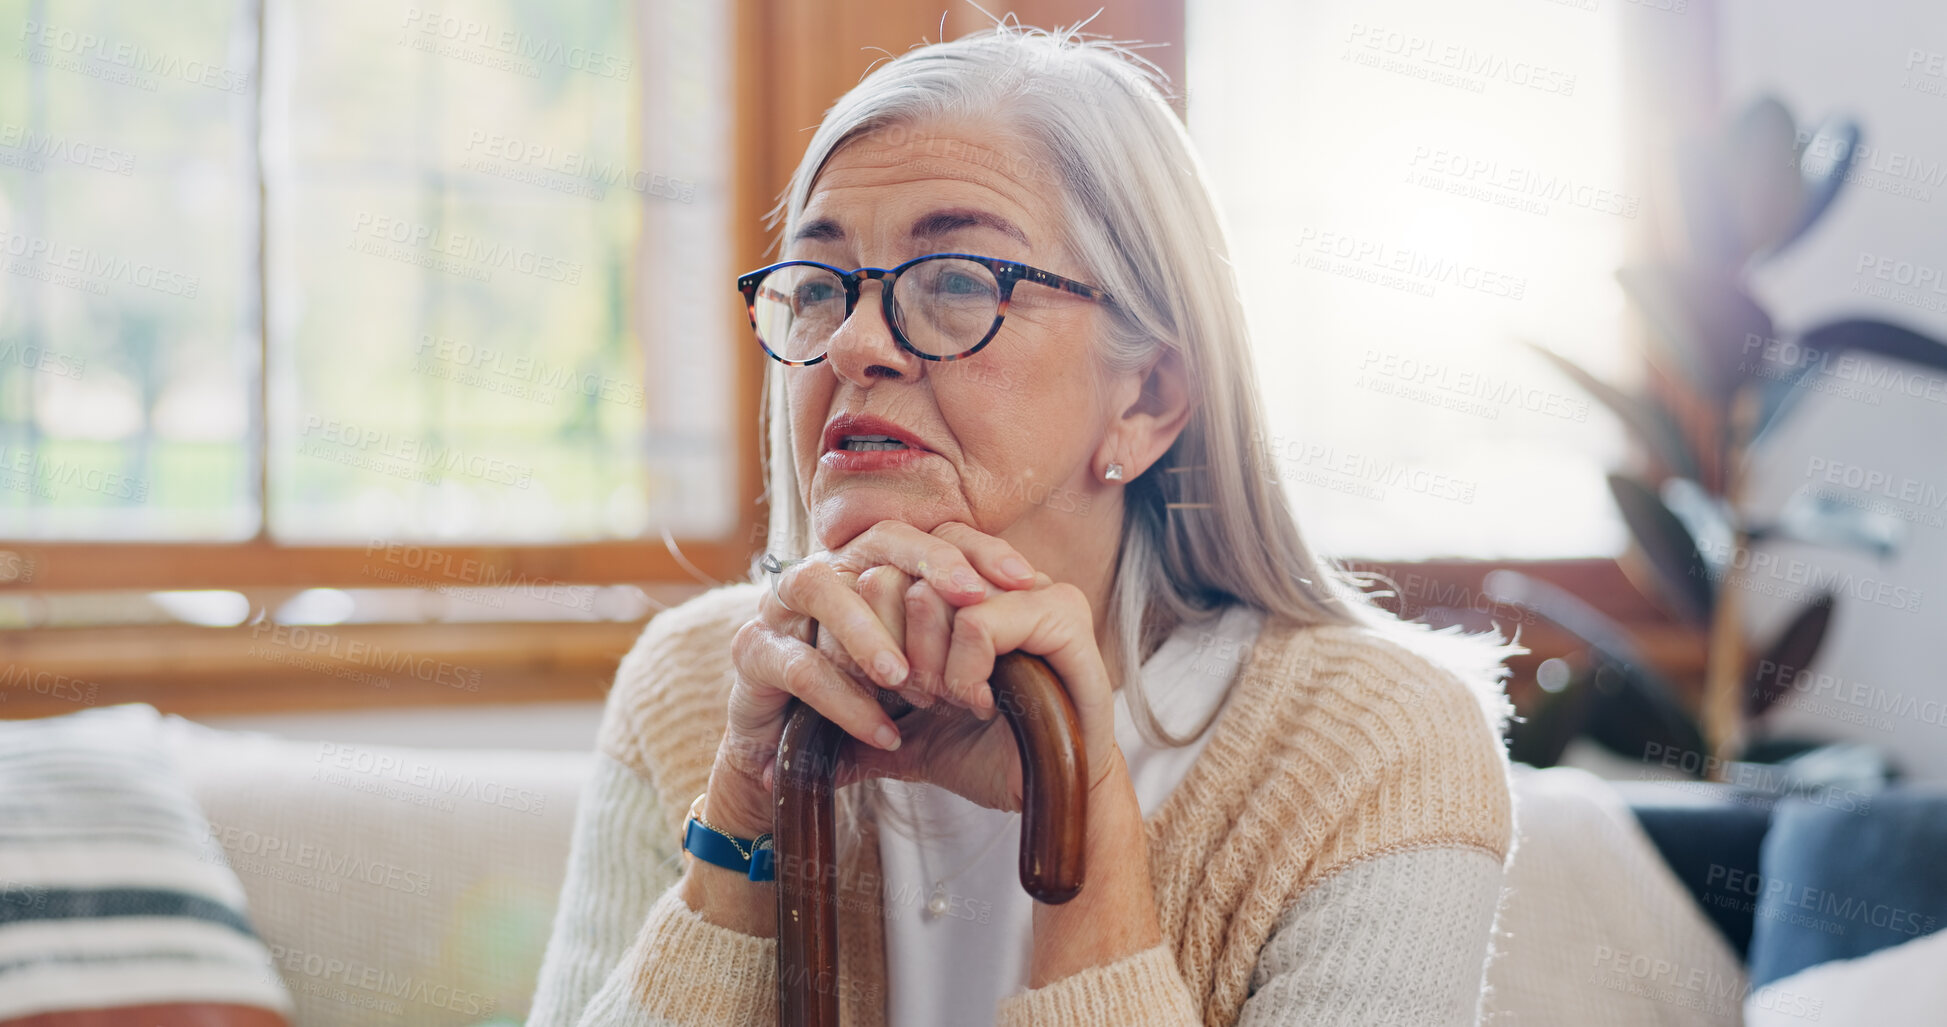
(1151, 419)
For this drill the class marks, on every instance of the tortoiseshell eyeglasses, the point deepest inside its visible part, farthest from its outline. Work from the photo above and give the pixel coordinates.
(943, 306)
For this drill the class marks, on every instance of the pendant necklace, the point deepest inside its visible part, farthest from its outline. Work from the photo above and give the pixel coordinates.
(937, 903)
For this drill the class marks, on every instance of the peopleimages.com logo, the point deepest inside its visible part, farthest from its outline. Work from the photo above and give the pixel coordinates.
(365, 769)
(93, 267)
(133, 63)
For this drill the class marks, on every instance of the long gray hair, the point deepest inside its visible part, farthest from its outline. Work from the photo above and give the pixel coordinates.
(1140, 219)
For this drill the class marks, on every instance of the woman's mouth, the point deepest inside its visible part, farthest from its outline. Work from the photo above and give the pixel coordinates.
(869, 453)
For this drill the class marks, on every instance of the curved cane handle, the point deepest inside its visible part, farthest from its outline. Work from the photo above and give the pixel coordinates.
(1054, 775)
(1054, 821)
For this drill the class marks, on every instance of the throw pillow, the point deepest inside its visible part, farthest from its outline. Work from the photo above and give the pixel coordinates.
(1840, 881)
(116, 904)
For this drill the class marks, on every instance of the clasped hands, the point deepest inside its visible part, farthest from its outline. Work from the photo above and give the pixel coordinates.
(923, 616)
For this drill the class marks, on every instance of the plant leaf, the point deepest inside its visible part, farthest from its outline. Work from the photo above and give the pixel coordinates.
(1709, 226)
(1822, 164)
(1566, 611)
(1541, 735)
(1780, 388)
(1880, 338)
(1630, 705)
(1703, 321)
(1710, 520)
(1787, 656)
(1629, 713)
(1766, 191)
(1678, 573)
(1813, 516)
(1819, 351)
(1644, 418)
(1675, 343)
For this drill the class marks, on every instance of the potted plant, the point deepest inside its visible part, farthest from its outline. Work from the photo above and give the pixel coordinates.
(1720, 380)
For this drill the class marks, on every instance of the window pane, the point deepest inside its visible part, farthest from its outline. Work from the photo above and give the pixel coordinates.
(498, 275)
(127, 324)
(1411, 187)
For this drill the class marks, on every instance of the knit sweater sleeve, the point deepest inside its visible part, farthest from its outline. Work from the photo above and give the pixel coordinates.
(619, 861)
(1395, 918)
(1145, 989)
(626, 950)
(684, 971)
(1398, 939)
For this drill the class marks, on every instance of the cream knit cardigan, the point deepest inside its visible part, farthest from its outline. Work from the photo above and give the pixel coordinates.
(1337, 747)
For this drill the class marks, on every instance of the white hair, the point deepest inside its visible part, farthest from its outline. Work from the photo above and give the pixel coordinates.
(1139, 217)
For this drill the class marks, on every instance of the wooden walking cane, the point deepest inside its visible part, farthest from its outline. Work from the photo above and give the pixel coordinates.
(1054, 797)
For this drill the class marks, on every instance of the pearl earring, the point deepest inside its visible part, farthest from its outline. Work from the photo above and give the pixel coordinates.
(1114, 473)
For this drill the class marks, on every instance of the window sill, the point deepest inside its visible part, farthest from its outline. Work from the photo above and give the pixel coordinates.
(265, 668)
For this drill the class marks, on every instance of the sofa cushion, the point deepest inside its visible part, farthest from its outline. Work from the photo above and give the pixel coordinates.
(1594, 930)
(1708, 834)
(1894, 986)
(393, 885)
(1844, 881)
(116, 907)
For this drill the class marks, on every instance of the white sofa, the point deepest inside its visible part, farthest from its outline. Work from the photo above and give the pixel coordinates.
(418, 886)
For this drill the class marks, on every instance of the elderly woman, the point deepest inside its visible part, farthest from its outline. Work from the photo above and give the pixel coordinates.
(1012, 407)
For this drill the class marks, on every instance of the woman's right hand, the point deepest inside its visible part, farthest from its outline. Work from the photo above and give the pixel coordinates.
(776, 658)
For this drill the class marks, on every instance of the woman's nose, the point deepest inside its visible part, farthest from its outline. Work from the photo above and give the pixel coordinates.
(863, 347)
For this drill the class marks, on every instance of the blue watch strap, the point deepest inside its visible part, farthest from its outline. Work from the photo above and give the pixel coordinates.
(714, 848)
(763, 859)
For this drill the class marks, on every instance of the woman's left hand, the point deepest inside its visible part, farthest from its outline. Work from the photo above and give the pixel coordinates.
(952, 651)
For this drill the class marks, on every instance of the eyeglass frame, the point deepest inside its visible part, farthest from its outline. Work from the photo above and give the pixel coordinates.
(1007, 273)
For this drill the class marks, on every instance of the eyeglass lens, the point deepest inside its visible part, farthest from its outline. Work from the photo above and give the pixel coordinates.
(942, 307)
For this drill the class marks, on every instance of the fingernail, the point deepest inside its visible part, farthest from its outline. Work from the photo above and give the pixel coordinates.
(1015, 567)
(984, 699)
(965, 582)
(887, 737)
(890, 668)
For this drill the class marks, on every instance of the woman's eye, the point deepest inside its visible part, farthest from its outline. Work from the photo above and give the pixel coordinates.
(813, 292)
(961, 285)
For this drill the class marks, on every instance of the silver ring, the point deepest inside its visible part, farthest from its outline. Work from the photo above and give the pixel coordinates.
(776, 568)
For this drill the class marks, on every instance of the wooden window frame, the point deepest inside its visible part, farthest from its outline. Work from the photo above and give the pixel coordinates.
(790, 60)
(263, 562)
